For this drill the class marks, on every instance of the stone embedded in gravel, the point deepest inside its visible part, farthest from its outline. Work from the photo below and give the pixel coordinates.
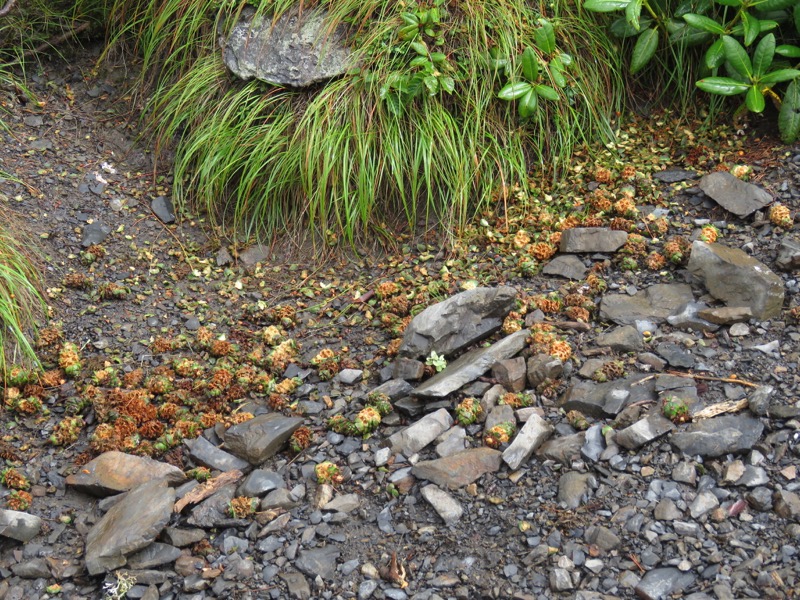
(259, 482)
(461, 469)
(621, 339)
(654, 303)
(567, 266)
(687, 318)
(318, 561)
(759, 400)
(163, 209)
(343, 503)
(207, 454)
(644, 431)
(460, 321)
(19, 526)
(563, 449)
(703, 503)
(182, 537)
(602, 537)
(542, 367)
(592, 239)
(261, 437)
(595, 443)
(394, 388)
(788, 254)
(253, 255)
(532, 435)
(94, 233)
(714, 437)
(787, 505)
(726, 315)
(675, 175)
(415, 437)
(213, 509)
(675, 355)
(113, 472)
(153, 555)
(452, 441)
(471, 365)
(409, 369)
(130, 525)
(738, 279)
(733, 194)
(560, 580)
(31, 569)
(443, 503)
(660, 584)
(297, 585)
(574, 488)
(510, 373)
(349, 376)
(607, 399)
(666, 510)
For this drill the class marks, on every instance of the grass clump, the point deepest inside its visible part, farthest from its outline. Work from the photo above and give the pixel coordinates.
(415, 131)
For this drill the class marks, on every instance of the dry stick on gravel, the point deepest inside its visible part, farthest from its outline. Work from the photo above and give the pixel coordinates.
(695, 376)
(206, 489)
(729, 406)
(56, 40)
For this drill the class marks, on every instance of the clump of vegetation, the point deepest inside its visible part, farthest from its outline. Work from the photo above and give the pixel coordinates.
(499, 434)
(517, 399)
(328, 472)
(242, 507)
(13, 479)
(468, 411)
(676, 409)
(300, 439)
(69, 359)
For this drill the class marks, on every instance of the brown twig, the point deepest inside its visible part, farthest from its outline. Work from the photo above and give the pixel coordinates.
(7, 8)
(710, 378)
(576, 325)
(56, 40)
(206, 489)
(633, 558)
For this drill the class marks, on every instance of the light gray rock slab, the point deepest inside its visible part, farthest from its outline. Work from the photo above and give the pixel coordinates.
(532, 435)
(461, 469)
(662, 583)
(625, 338)
(20, 526)
(261, 437)
(563, 449)
(574, 488)
(452, 441)
(415, 437)
(471, 365)
(738, 279)
(644, 431)
(207, 454)
(703, 503)
(788, 254)
(318, 561)
(733, 194)
(654, 303)
(298, 49)
(259, 482)
(394, 388)
(592, 239)
(445, 505)
(114, 472)
(594, 444)
(607, 399)
(343, 503)
(568, 266)
(130, 525)
(449, 326)
(726, 315)
(729, 434)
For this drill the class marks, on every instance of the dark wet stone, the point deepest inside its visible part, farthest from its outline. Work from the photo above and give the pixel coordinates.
(207, 454)
(163, 209)
(318, 561)
(733, 194)
(714, 437)
(660, 584)
(394, 388)
(213, 510)
(644, 431)
(567, 266)
(32, 569)
(675, 355)
(94, 233)
(261, 437)
(675, 175)
(592, 239)
(738, 279)
(788, 254)
(259, 482)
(153, 555)
(449, 326)
(408, 369)
(607, 399)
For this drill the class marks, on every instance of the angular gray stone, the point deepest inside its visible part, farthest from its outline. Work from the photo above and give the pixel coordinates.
(460, 469)
(674, 175)
(447, 507)
(688, 318)
(298, 49)
(213, 510)
(408, 368)
(725, 315)
(738, 279)
(114, 472)
(19, 526)
(182, 537)
(563, 449)
(660, 584)
(452, 441)
(163, 209)
(394, 388)
(130, 525)
(349, 376)
(532, 435)
(542, 367)
(510, 373)
(654, 303)
(788, 254)
(703, 503)
(502, 413)
(318, 561)
(253, 255)
(415, 437)
(714, 437)
(94, 233)
(471, 365)
(595, 443)
(675, 355)
(453, 324)
(153, 555)
(261, 437)
(644, 431)
(607, 399)
(567, 266)
(602, 537)
(207, 454)
(592, 239)
(574, 488)
(259, 482)
(733, 194)
(344, 503)
(787, 504)
(621, 339)
(759, 401)
(297, 585)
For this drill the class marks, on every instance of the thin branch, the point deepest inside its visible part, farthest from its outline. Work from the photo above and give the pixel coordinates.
(7, 8)
(56, 40)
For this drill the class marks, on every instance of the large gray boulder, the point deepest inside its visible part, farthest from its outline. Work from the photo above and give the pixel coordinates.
(298, 49)
(453, 324)
(738, 279)
(733, 194)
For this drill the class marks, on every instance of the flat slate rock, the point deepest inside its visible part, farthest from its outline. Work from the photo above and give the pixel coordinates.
(468, 367)
(114, 472)
(447, 507)
(568, 266)
(738, 279)
(660, 584)
(298, 49)
(129, 526)
(729, 434)
(415, 437)
(318, 561)
(532, 435)
(644, 431)
(449, 326)
(163, 209)
(600, 400)
(733, 194)
(20, 526)
(460, 469)
(592, 239)
(675, 175)
(261, 437)
(208, 455)
(654, 303)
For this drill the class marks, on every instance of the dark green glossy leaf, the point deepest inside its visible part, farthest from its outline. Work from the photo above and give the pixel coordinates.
(715, 55)
(729, 2)
(605, 5)
(724, 86)
(545, 37)
(621, 29)
(754, 100)
(789, 117)
(432, 83)
(737, 56)
(528, 104)
(420, 48)
(752, 27)
(788, 50)
(557, 74)
(447, 83)
(513, 91)
(704, 24)
(779, 76)
(438, 57)
(530, 64)
(644, 49)
(775, 5)
(546, 92)
(632, 12)
(762, 57)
